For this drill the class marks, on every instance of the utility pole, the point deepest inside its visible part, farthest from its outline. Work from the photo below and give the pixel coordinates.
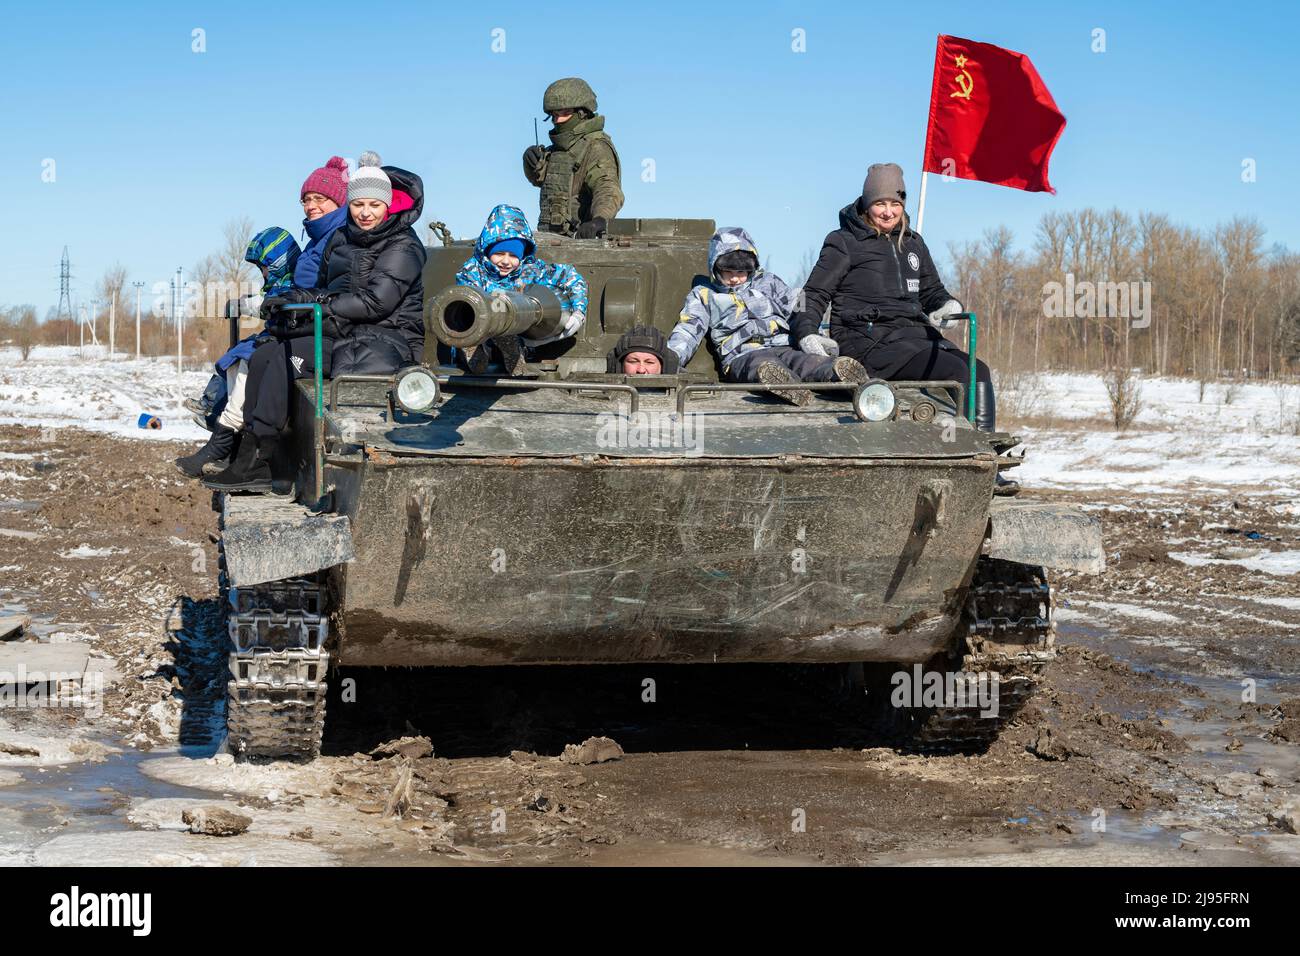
(94, 320)
(81, 334)
(65, 287)
(112, 326)
(179, 316)
(138, 287)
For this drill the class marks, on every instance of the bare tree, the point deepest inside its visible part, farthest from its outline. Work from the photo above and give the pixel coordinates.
(1125, 394)
(232, 272)
(25, 330)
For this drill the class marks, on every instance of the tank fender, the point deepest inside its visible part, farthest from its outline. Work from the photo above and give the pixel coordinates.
(1049, 535)
(267, 538)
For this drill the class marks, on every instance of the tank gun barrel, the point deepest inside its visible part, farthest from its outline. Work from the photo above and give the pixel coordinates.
(463, 316)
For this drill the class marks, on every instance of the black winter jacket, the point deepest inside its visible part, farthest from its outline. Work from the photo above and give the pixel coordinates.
(879, 295)
(372, 289)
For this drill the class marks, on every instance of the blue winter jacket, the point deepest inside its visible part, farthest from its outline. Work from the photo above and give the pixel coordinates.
(509, 222)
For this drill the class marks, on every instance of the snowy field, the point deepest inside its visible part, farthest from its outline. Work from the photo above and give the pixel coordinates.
(1177, 443)
(1247, 444)
(55, 388)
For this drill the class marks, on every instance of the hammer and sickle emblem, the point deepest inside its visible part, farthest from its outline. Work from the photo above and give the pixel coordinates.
(963, 80)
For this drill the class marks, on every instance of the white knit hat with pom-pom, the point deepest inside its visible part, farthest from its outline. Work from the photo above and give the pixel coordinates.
(370, 182)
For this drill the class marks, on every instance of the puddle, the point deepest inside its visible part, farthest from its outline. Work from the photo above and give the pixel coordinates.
(84, 798)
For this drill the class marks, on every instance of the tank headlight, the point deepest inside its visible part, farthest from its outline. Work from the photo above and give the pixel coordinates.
(416, 390)
(874, 402)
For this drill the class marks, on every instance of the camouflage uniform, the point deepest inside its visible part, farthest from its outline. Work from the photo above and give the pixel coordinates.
(579, 173)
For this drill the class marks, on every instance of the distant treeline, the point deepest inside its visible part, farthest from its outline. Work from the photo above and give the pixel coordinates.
(1103, 288)
(1099, 289)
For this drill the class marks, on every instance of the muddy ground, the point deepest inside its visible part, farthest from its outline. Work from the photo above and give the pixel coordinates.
(1167, 732)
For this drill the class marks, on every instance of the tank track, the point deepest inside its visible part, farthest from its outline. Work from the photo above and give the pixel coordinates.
(1010, 632)
(275, 698)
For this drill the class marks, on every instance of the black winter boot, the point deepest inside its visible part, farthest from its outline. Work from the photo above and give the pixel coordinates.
(986, 420)
(218, 447)
(986, 416)
(251, 469)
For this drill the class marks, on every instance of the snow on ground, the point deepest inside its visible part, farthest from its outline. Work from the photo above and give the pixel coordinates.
(1177, 442)
(1270, 562)
(56, 388)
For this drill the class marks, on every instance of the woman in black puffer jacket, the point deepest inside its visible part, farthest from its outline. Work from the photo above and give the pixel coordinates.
(887, 300)
(372, 295)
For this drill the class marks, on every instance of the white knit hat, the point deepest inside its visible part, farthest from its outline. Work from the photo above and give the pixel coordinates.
(370, 182)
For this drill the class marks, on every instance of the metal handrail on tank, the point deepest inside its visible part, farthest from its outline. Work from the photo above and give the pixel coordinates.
(488, 381)
(971, 341)
(686, 390)
(569, 386)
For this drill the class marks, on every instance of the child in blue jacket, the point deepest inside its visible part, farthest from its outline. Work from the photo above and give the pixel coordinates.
(504, 260)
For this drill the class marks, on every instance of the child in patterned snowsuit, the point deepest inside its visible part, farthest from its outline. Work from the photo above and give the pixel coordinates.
(745, 311)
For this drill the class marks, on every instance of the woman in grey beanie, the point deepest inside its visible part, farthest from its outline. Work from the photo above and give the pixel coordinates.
(887, 301)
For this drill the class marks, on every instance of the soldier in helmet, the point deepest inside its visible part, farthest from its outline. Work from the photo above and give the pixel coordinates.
(579, 173)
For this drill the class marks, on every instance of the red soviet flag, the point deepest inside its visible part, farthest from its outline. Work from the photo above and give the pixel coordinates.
(991, 117)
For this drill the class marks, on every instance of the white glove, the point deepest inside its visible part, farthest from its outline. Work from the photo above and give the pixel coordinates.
(250, 306)
(819, 345)
(571, 326)
(939, 317)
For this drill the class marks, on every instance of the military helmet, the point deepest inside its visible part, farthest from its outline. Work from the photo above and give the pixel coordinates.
(570, 93)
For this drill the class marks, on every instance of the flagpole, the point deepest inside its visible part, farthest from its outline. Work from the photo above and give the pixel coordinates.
(920, 209)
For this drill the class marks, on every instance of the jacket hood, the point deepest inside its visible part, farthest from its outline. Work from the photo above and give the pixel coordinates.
(504, 222)
(275, 249)
(731, 239)
(851, 220)
(407, 182)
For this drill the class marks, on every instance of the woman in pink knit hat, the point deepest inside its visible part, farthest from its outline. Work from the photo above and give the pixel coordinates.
(324, 196)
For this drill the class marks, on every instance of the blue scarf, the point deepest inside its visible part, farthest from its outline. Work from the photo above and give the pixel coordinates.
(306, 272)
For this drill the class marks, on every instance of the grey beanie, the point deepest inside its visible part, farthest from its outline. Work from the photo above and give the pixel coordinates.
(370, 182)
(884, 181)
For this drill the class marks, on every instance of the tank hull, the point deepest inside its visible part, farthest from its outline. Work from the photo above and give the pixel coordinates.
(574, 560)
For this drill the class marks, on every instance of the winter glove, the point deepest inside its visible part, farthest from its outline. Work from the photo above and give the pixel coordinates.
(271, 303)
(571, 326)
(819, 345)
(250, 306)
(592, 229)
(939, 317)
(534, 163)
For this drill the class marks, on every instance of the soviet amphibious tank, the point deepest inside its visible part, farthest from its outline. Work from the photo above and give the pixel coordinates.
(567, 514)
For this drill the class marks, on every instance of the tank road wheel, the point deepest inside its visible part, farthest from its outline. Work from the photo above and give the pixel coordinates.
(1008, 630)
(275, 704)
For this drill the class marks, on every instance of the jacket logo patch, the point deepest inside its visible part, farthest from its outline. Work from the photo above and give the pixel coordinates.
(914, 261)
(913, 285)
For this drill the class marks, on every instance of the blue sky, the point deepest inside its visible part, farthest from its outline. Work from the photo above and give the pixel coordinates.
(156, 146)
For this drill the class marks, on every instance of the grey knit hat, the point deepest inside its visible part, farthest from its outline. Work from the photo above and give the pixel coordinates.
(370, 182)
(884, 181)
